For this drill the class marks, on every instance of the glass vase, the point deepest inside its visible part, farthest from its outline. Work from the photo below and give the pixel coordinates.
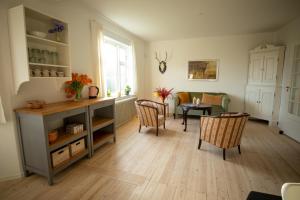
(78, 95)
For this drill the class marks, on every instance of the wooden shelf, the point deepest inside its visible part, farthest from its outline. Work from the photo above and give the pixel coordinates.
(45, 41)
(70, 161)
(101, 138)
(99, 123)
(49, 77)
(48, 65)
(64, 139)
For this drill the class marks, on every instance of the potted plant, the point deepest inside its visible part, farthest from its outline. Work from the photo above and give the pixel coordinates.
(127, 89)
(163, 93)
(75, 86)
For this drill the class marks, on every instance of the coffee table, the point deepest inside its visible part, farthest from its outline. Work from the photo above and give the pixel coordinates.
(190, 106)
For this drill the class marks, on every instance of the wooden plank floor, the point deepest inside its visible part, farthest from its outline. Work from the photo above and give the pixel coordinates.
(143, 166)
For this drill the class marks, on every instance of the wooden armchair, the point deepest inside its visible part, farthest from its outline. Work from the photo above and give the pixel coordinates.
(150, 113)
(224, 131)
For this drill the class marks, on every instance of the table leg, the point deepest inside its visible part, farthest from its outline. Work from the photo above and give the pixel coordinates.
(209, 111)
(185, 112)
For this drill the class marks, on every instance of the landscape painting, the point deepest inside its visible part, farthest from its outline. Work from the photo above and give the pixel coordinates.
(203, 70)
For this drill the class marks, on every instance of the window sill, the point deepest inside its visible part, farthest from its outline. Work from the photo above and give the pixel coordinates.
(125, 98)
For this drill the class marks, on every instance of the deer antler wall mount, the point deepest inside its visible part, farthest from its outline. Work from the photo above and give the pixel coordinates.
(162, 63)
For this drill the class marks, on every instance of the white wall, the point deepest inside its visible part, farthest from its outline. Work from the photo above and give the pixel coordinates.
(78, 17)
(232, 51)
(289, 35)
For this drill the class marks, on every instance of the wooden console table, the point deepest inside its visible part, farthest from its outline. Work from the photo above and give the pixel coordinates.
(96, 115)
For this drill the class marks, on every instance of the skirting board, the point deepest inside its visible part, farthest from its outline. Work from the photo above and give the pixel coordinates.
(12, 177)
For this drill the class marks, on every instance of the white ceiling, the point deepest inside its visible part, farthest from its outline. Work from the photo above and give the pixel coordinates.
(155, 20)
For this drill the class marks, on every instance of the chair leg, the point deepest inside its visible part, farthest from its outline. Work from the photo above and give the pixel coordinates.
(156, 131)
(239, 147)
(199, 145)
(140, 128)
(224, 154)
(164, 125)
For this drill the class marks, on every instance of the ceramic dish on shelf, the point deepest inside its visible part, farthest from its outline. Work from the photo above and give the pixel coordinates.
(38, 34)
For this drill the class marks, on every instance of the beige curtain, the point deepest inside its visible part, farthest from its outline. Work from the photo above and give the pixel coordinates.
(96, 36)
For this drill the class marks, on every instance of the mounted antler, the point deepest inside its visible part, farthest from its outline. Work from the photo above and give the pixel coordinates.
(156, 57)
(166, 57)
(162, 63)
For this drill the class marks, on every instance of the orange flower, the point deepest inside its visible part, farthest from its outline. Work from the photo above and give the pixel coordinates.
(76, 84)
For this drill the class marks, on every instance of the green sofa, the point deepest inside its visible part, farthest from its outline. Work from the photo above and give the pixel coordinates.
(216, 109)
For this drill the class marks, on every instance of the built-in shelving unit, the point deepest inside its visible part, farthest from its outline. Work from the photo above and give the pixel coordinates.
(94, 117)
(65, 139)
(35, 51)
(70, 161)
(102, 118)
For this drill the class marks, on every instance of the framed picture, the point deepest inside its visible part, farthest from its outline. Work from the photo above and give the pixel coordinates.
(203, 70)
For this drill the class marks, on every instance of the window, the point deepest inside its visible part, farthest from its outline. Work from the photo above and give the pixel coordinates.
(118, 71)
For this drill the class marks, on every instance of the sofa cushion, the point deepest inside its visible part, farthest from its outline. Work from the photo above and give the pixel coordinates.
(184, 97)
(211, 99)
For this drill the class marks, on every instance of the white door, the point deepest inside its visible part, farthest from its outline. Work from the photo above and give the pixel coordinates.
(252, 99)
(266, 102)
(256, 68)
(270, 68)
(289, 120)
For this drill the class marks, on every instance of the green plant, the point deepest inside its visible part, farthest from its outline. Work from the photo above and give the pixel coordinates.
(108, 92)
(127, 89)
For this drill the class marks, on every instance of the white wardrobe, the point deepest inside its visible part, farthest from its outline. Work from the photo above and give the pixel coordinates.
(263, 89)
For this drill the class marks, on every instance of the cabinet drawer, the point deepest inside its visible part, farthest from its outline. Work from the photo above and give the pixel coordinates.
(77, 147)
(60, 156)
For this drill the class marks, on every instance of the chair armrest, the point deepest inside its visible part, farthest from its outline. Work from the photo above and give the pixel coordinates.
(225, 103)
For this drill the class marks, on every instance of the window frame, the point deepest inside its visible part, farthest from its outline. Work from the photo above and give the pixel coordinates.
(107, 39)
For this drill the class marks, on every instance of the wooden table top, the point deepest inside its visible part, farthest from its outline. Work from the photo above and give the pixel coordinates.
(52, 108)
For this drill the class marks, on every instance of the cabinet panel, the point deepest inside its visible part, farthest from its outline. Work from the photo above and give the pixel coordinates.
(18, 45)
(270, 67)
(256, 68)
(266, 102)
(252, 99)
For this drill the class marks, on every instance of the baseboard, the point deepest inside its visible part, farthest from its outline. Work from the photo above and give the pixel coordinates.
(7, 178)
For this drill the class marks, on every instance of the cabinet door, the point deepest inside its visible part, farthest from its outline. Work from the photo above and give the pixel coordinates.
(256, 68)
(266, 102)
(252, 99)
(270, 68)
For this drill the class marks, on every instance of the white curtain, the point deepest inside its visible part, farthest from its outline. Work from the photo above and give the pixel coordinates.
(2, 116)
(135, 71)
(97, 40)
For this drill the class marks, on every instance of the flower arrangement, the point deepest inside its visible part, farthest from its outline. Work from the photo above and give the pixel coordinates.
(58, 28)
(75, 86)
(163, 93)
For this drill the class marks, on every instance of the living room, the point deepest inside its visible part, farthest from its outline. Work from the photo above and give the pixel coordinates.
(158, 162)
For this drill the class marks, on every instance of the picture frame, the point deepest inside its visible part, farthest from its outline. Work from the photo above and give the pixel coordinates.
(204, 69)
